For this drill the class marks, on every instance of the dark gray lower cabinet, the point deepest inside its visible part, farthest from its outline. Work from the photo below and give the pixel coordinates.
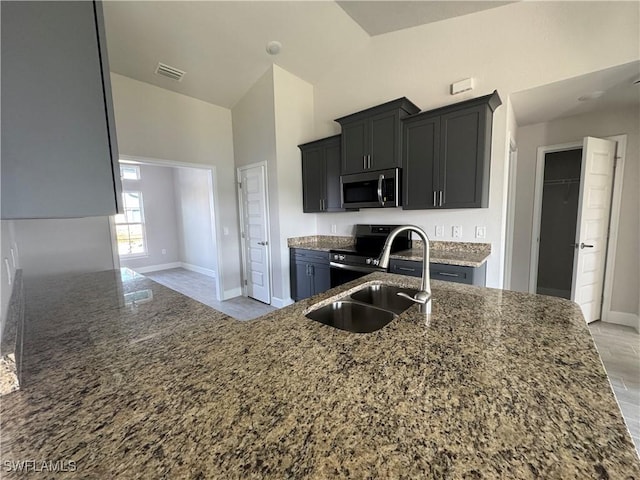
(309, 273)
(449, 273)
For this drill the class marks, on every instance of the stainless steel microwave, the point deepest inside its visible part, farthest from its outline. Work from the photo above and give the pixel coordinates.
(371, 189)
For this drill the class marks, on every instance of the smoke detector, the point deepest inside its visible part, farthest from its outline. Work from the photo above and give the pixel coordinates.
(274, 47)
(170, 72)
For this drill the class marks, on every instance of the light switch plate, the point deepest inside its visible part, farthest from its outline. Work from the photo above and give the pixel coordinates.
(456, 231)
(481, 232)
(334, 228)
(439, 230)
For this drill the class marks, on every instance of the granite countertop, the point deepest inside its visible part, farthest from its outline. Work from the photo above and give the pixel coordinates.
(128, 379)
(465, 254)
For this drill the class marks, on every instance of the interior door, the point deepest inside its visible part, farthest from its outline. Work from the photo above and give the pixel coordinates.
(253, 194)
(598, 158)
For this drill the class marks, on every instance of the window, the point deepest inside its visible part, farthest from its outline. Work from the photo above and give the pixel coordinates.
(130, 226)
(129, 172)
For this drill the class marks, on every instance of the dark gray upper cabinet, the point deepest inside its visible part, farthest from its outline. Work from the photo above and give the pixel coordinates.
(321, 175)
(447, 155)
(372, 138)
(59, 150)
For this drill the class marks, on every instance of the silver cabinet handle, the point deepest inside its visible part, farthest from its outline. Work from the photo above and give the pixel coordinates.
(320, 202)
(364, 162)
(447, 274)
(263, 243)
(584, 245)
(368, 161)
(434, 198)
(380, 180)
(406, 269)
(441, 198)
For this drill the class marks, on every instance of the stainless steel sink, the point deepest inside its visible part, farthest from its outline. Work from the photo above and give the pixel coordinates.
(385, 297)
(352, 316)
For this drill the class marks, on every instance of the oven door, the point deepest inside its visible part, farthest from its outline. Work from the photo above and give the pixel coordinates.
(371, 189)
(341, 273)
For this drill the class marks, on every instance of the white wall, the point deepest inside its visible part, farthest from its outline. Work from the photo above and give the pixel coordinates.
(269, 122)
(160, 124)
(52, 246)
(510, 48)
(294, 125)
(156, 185)
(195, 219)
(7, 245)
(626, 284)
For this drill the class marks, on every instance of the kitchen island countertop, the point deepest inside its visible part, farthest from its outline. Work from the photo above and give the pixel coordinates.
(129, 379)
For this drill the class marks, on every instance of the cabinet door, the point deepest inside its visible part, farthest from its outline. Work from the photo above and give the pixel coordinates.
(462, 157)
(313, 184)
(420, 163)
(354, 146)
(302, 280)
(405, 267)
(332, 161)
(59, 154)
(384, 143)
(321, 278)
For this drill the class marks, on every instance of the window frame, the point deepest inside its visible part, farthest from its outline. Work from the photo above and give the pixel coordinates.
(142, 223)
(130, 165)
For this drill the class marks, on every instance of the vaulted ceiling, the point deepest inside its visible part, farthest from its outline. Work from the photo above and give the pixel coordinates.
(222, 44)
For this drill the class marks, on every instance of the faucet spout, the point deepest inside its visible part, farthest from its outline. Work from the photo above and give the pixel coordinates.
(423, 297)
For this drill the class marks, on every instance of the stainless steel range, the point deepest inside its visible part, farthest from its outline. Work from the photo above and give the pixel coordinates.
(354, 262)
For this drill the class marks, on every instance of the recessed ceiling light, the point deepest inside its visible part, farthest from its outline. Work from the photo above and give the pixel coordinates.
(591, 96)
(274, 47)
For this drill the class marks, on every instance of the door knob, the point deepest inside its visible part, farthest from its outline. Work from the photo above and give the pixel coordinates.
(584, 245)
(263, 243)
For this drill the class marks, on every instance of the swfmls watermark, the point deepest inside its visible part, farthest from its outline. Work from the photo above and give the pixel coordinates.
(49, 466)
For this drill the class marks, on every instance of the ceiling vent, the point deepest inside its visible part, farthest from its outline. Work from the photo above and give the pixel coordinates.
(170, 72)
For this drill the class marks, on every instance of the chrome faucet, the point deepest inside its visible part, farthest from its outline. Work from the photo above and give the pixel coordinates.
(423, 297)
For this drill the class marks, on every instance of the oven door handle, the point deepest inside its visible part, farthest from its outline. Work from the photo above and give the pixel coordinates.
(380, 180)
(355, 268)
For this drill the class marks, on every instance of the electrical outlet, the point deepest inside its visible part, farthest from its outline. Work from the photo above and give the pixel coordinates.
(164, 251)
(456, 231)
(334, 228)
(481, 232)
(439, 230)
(225, 231)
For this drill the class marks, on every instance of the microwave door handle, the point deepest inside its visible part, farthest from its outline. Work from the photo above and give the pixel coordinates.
(380, 182)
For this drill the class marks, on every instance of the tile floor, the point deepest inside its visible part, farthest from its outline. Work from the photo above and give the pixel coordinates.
(203, 289)
(619, 349)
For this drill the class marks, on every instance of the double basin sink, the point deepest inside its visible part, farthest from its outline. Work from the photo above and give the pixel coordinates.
(365, 310)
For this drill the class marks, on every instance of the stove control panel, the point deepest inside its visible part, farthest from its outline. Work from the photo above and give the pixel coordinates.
(337, 256)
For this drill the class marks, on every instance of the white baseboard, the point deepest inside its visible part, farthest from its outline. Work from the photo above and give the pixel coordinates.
(232, 293)
(155, 268)
(280, 303)
(623, 318)
(195, 268)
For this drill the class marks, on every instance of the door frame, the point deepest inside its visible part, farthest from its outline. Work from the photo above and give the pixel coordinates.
(614, 217)
(510, 213)
(243, 252)
(214, 203)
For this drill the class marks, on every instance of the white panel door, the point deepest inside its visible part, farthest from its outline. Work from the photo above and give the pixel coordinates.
(255, 226)
(598, 158)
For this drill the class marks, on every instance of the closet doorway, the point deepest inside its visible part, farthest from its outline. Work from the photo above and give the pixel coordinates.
(572, 209)
(560, 192)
